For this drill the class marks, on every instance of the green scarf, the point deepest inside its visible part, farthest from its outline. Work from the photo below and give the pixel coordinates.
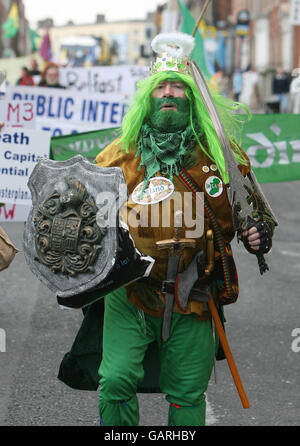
(165, 151)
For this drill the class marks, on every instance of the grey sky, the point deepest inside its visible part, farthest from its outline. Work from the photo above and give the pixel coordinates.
(85, 11)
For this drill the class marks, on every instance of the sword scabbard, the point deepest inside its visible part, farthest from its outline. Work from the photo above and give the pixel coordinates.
(219, 327)
(228, 354)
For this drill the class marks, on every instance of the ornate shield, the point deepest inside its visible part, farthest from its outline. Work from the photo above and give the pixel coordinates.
(71, 235)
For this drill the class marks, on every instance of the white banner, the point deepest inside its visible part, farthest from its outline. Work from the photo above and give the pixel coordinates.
(295, 12)
(116, 80)
(20, 150)
(18, 114)
(14, 212)
(66, 111)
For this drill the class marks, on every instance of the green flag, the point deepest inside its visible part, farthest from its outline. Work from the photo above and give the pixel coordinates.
(11, 26)
(198, 53)
(32, 36)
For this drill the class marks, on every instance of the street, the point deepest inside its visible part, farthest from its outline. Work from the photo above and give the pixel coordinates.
(259, 328)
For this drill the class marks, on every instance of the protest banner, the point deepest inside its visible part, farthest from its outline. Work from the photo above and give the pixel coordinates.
(10, 212)
(87, 144)
(116, 80)
(20, 150)
(272, 142)
(18, 113)
(64, 112)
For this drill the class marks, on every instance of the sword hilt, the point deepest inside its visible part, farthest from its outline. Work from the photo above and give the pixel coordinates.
(210, 253)
(177, 244)
(262, 264)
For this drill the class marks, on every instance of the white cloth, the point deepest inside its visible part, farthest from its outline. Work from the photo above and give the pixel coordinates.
(295, 95)
(249, 90)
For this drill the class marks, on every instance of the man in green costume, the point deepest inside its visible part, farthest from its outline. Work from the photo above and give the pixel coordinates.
(167, 126)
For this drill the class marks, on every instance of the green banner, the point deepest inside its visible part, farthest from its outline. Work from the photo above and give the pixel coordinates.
(272, 143)
(87, 144)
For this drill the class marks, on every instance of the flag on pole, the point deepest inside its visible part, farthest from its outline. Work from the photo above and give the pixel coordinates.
(32, 36)
(11, 26)
(45, 49)
(198, 53)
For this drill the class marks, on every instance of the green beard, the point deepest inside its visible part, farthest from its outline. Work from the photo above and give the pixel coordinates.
(169, 121)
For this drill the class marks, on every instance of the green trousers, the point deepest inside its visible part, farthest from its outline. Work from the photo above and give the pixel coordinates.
(186, 362)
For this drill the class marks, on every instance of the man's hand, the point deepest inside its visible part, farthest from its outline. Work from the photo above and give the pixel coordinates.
(258, 238)
(1, 125)
(253, 238)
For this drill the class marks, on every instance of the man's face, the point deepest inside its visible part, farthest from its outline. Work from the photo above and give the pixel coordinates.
(169, 107)
(167, 89)
(52, 76)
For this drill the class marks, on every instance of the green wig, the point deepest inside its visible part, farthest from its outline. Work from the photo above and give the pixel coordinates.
(228, 110)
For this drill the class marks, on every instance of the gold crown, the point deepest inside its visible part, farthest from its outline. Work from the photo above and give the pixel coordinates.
(173, 50)
(170, 63)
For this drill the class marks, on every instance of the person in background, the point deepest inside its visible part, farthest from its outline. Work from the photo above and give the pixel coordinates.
(7, 248)
(35, 72)
(220, 82)
(3, 84)
(34, 68)
(50, 76)
(237, 84)
(250, 92)
(295, 92)
(26, 78)
(281, 88)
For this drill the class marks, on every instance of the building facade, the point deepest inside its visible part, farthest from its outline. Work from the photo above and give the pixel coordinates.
(242, 33)
(272, 40)
(130, 40)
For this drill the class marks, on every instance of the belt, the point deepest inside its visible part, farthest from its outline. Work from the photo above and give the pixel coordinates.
(199, 294)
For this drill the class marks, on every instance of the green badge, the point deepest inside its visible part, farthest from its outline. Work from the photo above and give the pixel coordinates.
(158, 189)
(214, 186)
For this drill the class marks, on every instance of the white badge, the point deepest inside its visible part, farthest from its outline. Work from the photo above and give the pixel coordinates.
(158, 189)
(214, 186)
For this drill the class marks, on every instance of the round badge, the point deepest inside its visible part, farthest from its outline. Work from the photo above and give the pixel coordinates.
(158, 189)
(214, 186)
(213, 167)
(205, 169)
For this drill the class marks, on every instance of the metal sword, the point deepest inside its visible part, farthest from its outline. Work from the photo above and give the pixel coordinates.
(240, 187)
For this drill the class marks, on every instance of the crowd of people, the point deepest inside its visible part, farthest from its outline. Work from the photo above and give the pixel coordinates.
(48, 77)
(244, 86)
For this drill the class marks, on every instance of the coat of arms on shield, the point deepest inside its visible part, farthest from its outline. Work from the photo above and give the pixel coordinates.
(64, 245)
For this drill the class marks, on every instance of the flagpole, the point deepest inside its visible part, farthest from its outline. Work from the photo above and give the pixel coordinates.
(201, 16)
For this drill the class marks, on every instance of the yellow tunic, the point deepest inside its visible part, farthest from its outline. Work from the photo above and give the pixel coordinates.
(145, 236)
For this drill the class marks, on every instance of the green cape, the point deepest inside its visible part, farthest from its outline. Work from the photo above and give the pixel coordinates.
(79, 367)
